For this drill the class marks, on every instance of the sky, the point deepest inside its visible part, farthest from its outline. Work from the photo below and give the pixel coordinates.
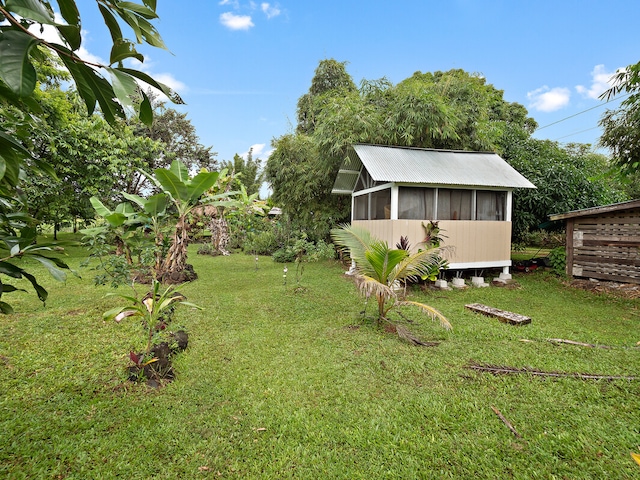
(241, 65)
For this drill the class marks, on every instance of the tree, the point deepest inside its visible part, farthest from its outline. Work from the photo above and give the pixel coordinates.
(567, 178)
(177, 140)
(621, 131)
(454, 110)
(88, 157)
(380, 268)
(301, 183)
(21, 43)
(246, 172)
(330, 76)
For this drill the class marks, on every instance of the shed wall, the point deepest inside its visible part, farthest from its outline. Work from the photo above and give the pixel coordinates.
(475, 244)
(605, 247)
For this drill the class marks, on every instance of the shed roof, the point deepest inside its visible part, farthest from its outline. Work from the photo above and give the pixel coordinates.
(428, 166)
(586, 212)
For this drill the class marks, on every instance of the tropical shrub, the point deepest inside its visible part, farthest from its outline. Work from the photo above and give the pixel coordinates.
(379, 269)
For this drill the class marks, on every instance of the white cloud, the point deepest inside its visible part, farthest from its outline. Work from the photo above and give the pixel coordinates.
(236, 22)
(547, 99)
(233, 3)
(257, 149)
(270, 10)
(601, 81)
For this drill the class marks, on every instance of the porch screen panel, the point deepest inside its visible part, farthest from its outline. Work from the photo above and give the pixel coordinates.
(454, 204)
(361, 207)
(490, 205)
(415, 203)
(380, 204)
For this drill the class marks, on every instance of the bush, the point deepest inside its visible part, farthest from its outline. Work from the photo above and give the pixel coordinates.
(304, 250)
(543, 239)
(263, 243)
(558, 260)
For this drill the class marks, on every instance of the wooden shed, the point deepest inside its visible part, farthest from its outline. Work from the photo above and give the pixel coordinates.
(604, 242)
(395, 190)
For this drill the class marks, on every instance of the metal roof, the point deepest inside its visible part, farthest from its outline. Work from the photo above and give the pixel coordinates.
(587, 212)
(428, 166)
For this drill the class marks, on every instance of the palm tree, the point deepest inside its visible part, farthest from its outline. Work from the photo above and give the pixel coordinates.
(380, 268)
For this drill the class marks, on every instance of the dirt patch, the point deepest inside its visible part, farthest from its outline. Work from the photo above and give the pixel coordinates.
(623, 290)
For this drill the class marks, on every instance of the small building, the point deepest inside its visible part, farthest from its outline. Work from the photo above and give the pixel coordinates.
(395, 190)
(604, 242)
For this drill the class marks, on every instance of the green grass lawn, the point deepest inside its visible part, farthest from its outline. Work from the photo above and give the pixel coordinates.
(289, 381)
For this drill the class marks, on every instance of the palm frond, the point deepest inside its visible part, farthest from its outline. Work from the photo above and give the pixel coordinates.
(418, 263)
(384, 260)
(356, 240)
(370, 286)
(432, 312)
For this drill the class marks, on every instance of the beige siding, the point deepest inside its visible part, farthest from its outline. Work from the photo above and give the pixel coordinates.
(472, 242)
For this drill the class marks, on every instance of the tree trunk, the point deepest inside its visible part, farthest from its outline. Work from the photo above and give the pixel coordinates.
(174, 268)
(219, 229)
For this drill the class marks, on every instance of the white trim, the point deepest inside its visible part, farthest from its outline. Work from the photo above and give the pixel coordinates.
(372, 189)
(479, 265)
(394, 202)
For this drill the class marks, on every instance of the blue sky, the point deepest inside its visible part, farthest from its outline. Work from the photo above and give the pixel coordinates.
(241, 66)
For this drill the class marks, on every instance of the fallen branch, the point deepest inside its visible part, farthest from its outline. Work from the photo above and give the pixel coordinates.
(505, 421)
(580, 344)
(407, 336)
(499, 370)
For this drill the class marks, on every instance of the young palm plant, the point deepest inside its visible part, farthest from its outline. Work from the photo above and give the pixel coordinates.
(380, 268)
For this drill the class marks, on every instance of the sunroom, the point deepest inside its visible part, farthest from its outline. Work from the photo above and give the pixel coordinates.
(395, 191)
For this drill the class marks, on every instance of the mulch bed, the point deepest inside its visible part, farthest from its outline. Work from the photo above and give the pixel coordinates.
(624, 290)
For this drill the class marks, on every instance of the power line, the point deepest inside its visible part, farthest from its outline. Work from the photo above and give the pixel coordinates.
(576, 133)
(584, 111)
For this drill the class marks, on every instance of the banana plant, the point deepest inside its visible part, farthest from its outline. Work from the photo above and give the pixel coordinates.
(379, 268)
(184, 192)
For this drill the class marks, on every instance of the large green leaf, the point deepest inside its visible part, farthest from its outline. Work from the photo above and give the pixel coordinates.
(83, 86)
(150, 3)
(123, 49)
(153, 206)
(151, 34)
(116, 219)
(71, 33)
(40, 290)
(32, 9)
(173, 96)
(99, 207)
(139, 9)
(156, 205)
(125, 208)
(137, 199)
(16, 70)
(146, 110)
(200, 184)
(172, 184)
(124, 86)
(180, 170)
(111, 23)
(103, 92)
(51, 266)
(10, 269)
(69, 11)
